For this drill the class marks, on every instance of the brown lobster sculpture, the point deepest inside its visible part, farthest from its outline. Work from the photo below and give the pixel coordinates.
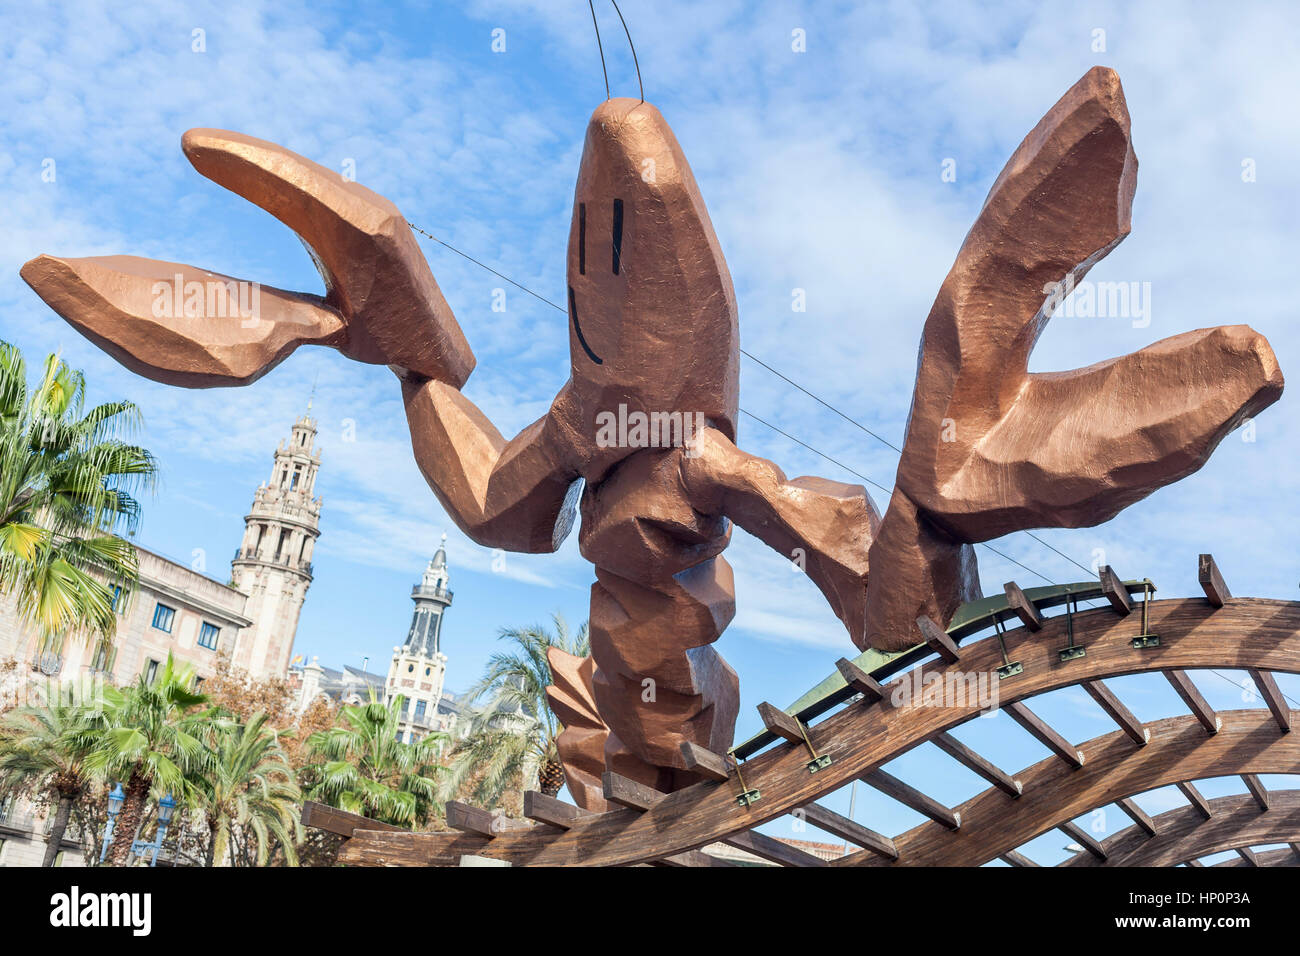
(653, 332)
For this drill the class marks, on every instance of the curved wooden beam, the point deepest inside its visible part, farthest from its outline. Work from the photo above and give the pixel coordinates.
(1184, 834)
(1114, 767)
(1282, 857)
(1244, 633)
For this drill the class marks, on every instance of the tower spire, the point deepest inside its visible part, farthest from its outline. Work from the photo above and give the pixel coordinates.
(273, 565)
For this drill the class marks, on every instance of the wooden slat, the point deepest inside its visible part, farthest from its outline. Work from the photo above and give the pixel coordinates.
(331, 819)
(557, 813)
(780, 723)
(553, 812)
(1272, 695)
(1194, 796)
(1012, 858)
(861, 681)
(1257, 789)
(1137, 815)
(1207, 572)
(628, 793)
(938, 639)
(637, 796)
(1247, 854)
(470, 819)
(1029, 615)
(909, 796)
(1193, 864)
(846, 829)
(1111, 704)
(1045, 735)
(1295, 848)
(1085, 839)
(773, 850)
(1196, 703)
(1114, 591)
(706, 763)
(964, 755)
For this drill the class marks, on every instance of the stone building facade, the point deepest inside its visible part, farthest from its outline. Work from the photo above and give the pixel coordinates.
(252, 620)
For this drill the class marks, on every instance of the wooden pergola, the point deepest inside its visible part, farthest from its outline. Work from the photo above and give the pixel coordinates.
(848, 727)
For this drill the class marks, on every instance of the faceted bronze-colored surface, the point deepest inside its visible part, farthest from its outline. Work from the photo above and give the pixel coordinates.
(993, 449)
(381, 305)
(652, 316)
(582, 742)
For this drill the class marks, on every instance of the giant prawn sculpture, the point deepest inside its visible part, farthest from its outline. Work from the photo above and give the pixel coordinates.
(990, 448)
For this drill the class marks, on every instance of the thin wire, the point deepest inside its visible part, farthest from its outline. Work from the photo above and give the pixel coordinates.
(815, 451)
(633, 46)
(850, 420)
(592, 5)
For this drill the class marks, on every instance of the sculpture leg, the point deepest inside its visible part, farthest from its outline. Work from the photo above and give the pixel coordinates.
(657, 682)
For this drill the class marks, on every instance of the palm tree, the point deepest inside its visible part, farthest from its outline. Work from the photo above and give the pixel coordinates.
(514, 730)
(367, 769)
(147, 735)
(247, 790)
(43, 749)
(67, 483)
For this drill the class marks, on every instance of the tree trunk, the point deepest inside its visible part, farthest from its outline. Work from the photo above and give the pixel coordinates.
(137, 790)
(55, 838)
(212, 842)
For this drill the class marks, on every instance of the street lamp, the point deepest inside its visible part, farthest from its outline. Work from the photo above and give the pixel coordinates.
(166, 807)
(116, 797)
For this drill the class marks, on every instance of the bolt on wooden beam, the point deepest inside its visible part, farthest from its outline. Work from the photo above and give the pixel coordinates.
(1272, 695)
(1114, 591)
(909, 796)
(971, 760)
(938, 639)
(1029, 615)
(1207, 573)
(1194, 701)
(1194, 796)
(1111, 704)
(1045, 735)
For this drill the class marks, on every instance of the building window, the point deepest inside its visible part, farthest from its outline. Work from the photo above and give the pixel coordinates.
(419, 712)
(2, 849)
(208, 635)
(163, 617)
(117, 598)
(150, 671)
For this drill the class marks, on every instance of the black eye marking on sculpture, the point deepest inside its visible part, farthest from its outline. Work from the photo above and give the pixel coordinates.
(573, 311)
(618, 233)
(582, 238)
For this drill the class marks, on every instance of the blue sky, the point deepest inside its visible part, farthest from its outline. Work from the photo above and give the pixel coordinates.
(822, 171)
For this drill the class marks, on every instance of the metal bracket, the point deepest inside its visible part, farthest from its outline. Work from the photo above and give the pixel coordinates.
(1146, 639)
(1008, 668)
(1071, 651)
(819, 761)
(747, 796)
